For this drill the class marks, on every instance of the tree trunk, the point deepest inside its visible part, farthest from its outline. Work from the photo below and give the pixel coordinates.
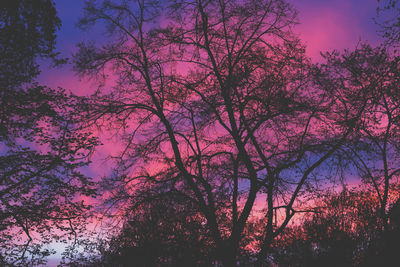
(228, 255)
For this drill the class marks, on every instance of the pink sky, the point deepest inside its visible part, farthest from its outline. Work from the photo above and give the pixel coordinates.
(324, 25)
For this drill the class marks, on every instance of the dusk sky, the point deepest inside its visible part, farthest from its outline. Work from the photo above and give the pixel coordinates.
(324, 25)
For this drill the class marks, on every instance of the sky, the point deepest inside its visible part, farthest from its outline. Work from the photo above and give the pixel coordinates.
(324, 25)
(336, 24)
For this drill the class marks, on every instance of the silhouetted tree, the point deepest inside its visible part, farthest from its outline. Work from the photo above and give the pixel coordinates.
(339, 233)
(41, 151)
(388, 18)
(384, 248)
(28, 30)
(375, 151)
(163, 232)
(215, 103)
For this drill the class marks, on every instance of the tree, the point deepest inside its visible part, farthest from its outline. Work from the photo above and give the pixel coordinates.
(388, 20)
(383, 249)
(342, 232)
(41, 149)
(375, 151)
(162, 232)
(27, 30)
(216, 103)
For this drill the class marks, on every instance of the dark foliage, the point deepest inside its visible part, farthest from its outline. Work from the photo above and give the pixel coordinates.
(346, 231)
(41, 149)
(27, 31)
(163, 232)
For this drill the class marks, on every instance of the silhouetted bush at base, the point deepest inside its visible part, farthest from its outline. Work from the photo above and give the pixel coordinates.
(342, 236)
(162, 232)
(385, 250)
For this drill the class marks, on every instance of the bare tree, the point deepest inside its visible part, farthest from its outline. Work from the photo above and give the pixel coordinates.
(215, 102)
(388, 19)
(375, 150)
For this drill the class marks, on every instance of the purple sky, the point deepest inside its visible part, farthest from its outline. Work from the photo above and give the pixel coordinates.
(336, 24)
(324, 25)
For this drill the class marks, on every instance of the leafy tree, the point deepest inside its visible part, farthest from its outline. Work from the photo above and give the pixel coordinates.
(41, 151)
(161, 232)
(27, 30)
(215, 102)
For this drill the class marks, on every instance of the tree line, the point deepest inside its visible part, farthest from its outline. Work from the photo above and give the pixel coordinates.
(229, 132)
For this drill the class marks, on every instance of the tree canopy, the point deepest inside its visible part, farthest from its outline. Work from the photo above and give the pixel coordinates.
(41, 151)
(219, 104)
